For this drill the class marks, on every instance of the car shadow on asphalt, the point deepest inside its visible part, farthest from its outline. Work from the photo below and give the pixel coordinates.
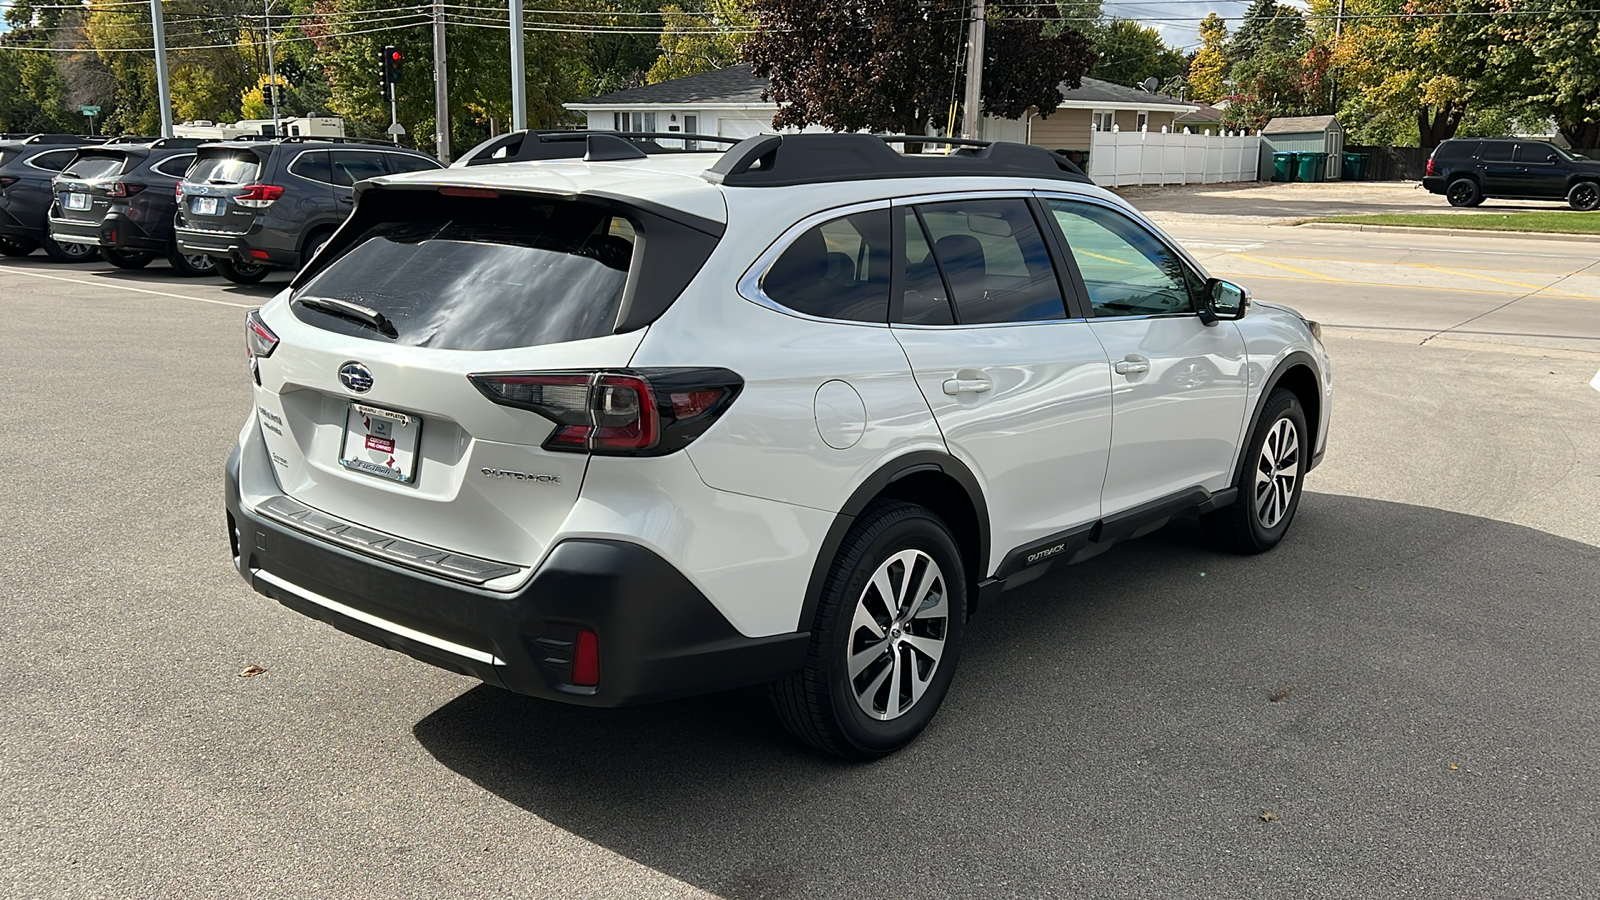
(1395, 695)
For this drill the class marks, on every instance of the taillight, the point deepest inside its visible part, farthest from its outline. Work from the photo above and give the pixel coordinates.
(259, 341)
(259, 196)
(8, 180)
(1430, 166)
(123, 189)
(630, 412)
(177, 190)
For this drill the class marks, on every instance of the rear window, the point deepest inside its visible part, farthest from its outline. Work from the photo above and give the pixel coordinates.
(510, 274)
(224, 168)
(91, 168)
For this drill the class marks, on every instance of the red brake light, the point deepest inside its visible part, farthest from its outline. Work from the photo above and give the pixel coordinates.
(259, 341)
(480, 193)
(586, 659)
(258, 196)
(1430, 166)
(123, 189)
(618, 413)
(177, 189)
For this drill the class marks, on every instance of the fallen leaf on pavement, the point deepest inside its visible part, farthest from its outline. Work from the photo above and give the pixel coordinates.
(1268, 817)
(251, 671)
(1280, 695)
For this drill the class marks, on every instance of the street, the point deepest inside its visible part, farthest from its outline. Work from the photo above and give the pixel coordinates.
(1400, 700)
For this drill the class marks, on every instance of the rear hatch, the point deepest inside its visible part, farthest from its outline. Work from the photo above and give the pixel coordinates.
(216, 193)
(365, 401)
(84, 189)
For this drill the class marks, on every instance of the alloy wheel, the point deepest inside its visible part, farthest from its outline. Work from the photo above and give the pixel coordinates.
(1277, 472)
(897, 635)
(1585, 196)
(200, 262)
(1461, 192)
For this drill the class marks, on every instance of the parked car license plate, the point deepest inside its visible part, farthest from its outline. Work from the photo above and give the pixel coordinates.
(380, 442)
(77, 201)
(205, 206)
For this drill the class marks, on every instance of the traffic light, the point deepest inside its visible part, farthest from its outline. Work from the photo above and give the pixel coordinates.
(392, 60)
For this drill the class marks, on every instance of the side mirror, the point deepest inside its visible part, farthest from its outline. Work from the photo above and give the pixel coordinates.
(1224, 300)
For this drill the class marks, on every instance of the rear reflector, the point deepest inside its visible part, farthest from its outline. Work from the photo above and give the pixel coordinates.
(648, 412)
(258, 254)
(586, 659)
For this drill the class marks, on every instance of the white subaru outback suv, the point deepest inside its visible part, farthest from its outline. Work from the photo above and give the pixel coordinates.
(634, 426)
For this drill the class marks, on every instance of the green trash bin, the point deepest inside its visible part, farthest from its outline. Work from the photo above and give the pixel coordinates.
(1312, 167)
(1283, 166)
(1355, 167)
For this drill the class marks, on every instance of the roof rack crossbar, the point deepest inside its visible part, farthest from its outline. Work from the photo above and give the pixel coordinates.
(773, 160)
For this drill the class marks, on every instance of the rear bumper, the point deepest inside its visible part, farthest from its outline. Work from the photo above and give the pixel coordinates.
(115, 230)
(240, 247)
(659, 637)
(1434, 184)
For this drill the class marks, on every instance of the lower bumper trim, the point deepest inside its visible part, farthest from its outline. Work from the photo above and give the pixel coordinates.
(367, 618)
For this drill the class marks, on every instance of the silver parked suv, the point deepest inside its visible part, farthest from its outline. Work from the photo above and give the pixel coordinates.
(629, 426)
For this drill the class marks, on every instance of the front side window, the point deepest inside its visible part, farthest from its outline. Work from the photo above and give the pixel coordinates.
(1537, 154)
(1127, 270)
(837, 270)
(475, 275)
(351, 166)
(993, 260)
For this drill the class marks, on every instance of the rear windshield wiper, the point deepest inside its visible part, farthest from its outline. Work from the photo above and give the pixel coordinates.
(354, 312)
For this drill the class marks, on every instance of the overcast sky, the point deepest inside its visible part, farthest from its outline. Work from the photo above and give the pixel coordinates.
(1183, 32)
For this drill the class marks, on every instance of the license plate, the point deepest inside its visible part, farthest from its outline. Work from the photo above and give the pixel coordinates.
(380, 442)
(205, 206)
(77, 201)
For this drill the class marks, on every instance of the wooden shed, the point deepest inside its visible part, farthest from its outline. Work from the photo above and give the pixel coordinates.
(1303, 134)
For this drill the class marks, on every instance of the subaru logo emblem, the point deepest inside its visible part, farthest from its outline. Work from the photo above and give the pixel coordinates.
(356, 377)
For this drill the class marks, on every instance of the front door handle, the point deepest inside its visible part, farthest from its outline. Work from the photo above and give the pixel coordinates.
(1132, 366)
(966, 386)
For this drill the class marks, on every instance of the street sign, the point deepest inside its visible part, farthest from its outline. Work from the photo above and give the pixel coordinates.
(397, 129)
(89, 110)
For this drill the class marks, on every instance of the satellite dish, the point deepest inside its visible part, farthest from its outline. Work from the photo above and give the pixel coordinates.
(1149, 85)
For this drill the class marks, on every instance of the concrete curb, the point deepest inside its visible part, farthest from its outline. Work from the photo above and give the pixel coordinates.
(1454, 232)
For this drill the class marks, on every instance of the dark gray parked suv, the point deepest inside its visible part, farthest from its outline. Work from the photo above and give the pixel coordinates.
(27, 164)
(254, 205)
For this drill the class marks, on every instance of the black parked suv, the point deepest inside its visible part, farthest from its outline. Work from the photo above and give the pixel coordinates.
(27, 164)
(1470, 170)
(119, 197)
(254, 205)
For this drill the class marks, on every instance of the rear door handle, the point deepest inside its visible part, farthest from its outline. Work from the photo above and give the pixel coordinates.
(955, 386)
(1132, 366)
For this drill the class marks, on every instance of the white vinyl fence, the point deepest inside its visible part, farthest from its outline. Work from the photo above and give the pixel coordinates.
(1144, 157)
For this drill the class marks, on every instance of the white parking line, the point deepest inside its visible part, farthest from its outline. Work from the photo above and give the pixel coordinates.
(123, 287)
(1595, 381)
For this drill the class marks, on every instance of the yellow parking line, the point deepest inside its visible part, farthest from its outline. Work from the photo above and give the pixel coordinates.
(1409, 287)
(1521, 284)
(1267, 262)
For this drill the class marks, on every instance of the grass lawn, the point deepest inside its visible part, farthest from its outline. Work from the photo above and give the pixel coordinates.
(1564, 222)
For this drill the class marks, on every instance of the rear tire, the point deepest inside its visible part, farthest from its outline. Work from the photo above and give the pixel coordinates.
(15, 246)
(886, 636)
(1584, 196)
(1463, 192)
(67, 253)
(1271, 475)
(315, 244)
(191, 265)
(241, 273)
(126, 259)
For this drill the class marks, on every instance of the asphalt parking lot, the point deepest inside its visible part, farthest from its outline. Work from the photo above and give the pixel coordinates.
(1400, 700)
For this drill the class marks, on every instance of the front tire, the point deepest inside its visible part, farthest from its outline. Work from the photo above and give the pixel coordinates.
(1269, 481)
(126, 259)
(1463, 192)
(241, 273)
(67, 253)
(1584, 196)
(15, 246)
(886, 637)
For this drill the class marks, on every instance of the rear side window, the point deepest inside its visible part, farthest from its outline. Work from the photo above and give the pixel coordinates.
(224, 168)
(175, 166)
(400, 163)
(351, 166)
(1457, 150)
(92, 168)
(483, 277)
(52, 161)
(1496, 151)
(993, 260)
(837, 270)
(312, 165)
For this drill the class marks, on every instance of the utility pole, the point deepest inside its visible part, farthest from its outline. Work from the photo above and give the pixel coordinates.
(272, 70)
(1338, 21)
(519, 77)
(441, 85)
(163, 85)
(972, 112)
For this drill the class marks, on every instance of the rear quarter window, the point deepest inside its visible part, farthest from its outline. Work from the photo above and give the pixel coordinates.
(1457, 150)
(483, 276)
(52, 160)
(176, 166)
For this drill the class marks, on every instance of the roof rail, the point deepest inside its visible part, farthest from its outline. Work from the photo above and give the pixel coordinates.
(302, 139)
(780, 160)
(35, 138)
(133, 139)
(517, 146)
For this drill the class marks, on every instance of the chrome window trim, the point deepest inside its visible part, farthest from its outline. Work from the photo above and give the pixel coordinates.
(749, 286)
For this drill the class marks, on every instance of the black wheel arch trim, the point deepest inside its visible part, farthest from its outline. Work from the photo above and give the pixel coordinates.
(1296, 358)
(900, 467)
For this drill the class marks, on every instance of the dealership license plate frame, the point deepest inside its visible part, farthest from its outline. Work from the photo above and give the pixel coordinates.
(78, 202)
(206, 206)
(364, 423)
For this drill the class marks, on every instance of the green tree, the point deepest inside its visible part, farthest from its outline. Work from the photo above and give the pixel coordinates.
(893, 65)
(1130, 53)
(1549, 56)
(701, 41)
(1209, 69)
(1413, 58)
(1268, 27)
